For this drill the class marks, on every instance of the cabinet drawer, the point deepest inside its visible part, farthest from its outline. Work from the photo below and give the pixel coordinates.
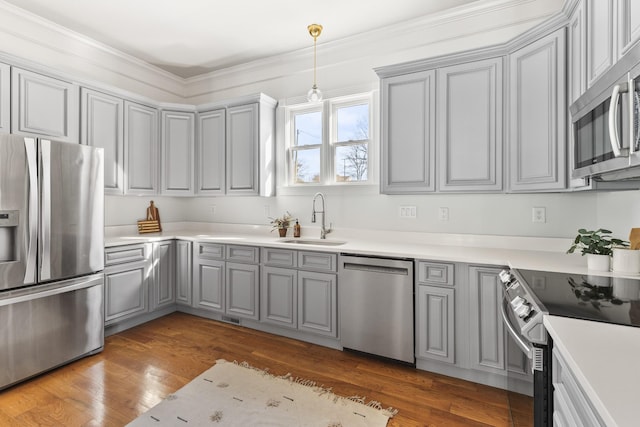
(123, 254)
(209, 251)
(279, 257)
(317, 261)
(243, 253)
(435, 273)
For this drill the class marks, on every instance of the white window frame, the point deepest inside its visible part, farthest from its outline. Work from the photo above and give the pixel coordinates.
(329, 108)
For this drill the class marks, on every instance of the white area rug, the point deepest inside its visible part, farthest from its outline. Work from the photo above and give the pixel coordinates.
(231, 394)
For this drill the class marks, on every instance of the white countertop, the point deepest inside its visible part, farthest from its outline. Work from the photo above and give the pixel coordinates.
(605, 359)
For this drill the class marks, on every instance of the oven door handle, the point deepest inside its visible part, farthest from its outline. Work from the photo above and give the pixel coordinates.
(527, 350)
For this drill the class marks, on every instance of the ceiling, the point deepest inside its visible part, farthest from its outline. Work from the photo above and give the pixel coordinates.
(192, 37)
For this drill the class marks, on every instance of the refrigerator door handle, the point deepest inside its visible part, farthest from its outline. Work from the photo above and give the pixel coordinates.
(32, 166)
(45, 210)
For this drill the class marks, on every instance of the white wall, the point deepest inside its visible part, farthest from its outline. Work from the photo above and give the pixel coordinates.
(618, 211)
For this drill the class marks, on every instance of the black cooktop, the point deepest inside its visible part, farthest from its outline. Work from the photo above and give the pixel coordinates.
(588, 297)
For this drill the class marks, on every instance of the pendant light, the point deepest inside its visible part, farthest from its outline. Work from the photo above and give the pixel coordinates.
(314, 94)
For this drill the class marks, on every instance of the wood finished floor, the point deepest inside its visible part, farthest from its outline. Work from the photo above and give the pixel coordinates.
(140, 366)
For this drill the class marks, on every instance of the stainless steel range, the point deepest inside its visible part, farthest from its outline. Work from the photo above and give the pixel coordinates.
(51, 255)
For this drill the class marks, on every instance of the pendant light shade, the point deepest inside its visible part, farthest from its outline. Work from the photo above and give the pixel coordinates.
(314, 94)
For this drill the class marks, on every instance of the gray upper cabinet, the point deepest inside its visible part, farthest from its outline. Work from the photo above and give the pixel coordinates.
(178, 135)
(5, 98)
(408, 133)
(538, 115)
(141, 149)
(242, 155)
(43, 106)
(101, 125)
(601, 40)
(576, 56)
(628, 24)
(469, 123)
(211, 152)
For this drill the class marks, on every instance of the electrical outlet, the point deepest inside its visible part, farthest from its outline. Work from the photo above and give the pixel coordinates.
(443, 214)
(539, 214)
(409, 212)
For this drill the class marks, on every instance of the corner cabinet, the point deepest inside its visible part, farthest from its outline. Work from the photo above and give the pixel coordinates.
(44, 106)
(164, 274)
(183, 272)
(538, 117)
(141, 149)
(177, 157)
(408, 133)
(469, 122)
(5, 98)
(102, 125)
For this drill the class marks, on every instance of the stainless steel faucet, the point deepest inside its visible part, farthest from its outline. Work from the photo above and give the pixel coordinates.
(323, 230)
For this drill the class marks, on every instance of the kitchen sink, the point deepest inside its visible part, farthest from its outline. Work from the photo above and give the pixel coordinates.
(318, 242)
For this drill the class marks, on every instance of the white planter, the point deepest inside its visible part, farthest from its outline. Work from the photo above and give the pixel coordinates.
(598, 262)
(626, 261)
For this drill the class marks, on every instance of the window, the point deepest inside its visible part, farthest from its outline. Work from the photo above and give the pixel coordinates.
(329, 143)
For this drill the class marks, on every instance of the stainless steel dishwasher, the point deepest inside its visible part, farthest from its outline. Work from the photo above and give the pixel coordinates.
(375, 296)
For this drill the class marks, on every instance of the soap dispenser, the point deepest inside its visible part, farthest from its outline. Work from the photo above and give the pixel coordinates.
(296, 229)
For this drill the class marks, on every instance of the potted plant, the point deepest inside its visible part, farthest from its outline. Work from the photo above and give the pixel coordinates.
(598, 246)
(281, 224)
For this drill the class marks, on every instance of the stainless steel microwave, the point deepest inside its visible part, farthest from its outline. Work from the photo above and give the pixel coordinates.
(605, 138)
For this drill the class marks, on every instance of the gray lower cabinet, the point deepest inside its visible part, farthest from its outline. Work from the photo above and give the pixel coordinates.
(141, 133)
(408, 133)
(211, 172)
(183, 272)
(278, 296)
(435, 326)
(102, 125)
(5, 98)
(44, 106)
(164, 274)
(538, 115)
(317, 303)
(469, 123)
(571, 406)
(487, 335)
(208, 284)
(127, 279)
(243, 290)
(177, 157)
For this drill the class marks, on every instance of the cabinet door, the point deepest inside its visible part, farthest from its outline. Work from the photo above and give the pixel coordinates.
(141, 149)
(211, 152)
(177, 174)
(243, 290)
(126, 291)
(408, 133)
(44, 106)
(5, 98)
(242, 150)
(628, 25)
(538, 115)
(278, 296)
(577, 62)
(486, 328)
(600, 38)
(317, 310)
(435, 323)
(208, 284)
(102, 124)
(183, 272)
(469, 121)
(164, 274)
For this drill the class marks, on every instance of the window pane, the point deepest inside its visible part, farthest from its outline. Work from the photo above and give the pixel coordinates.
(307, 128)
(352, 162)
(306, 165)
(353, 123)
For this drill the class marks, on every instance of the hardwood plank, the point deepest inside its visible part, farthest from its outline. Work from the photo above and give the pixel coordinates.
(141, 366)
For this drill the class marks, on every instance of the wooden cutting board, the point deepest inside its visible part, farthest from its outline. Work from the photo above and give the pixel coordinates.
(634, 238)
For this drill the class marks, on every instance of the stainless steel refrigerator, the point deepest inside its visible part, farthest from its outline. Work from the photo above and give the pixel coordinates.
(51, 255)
